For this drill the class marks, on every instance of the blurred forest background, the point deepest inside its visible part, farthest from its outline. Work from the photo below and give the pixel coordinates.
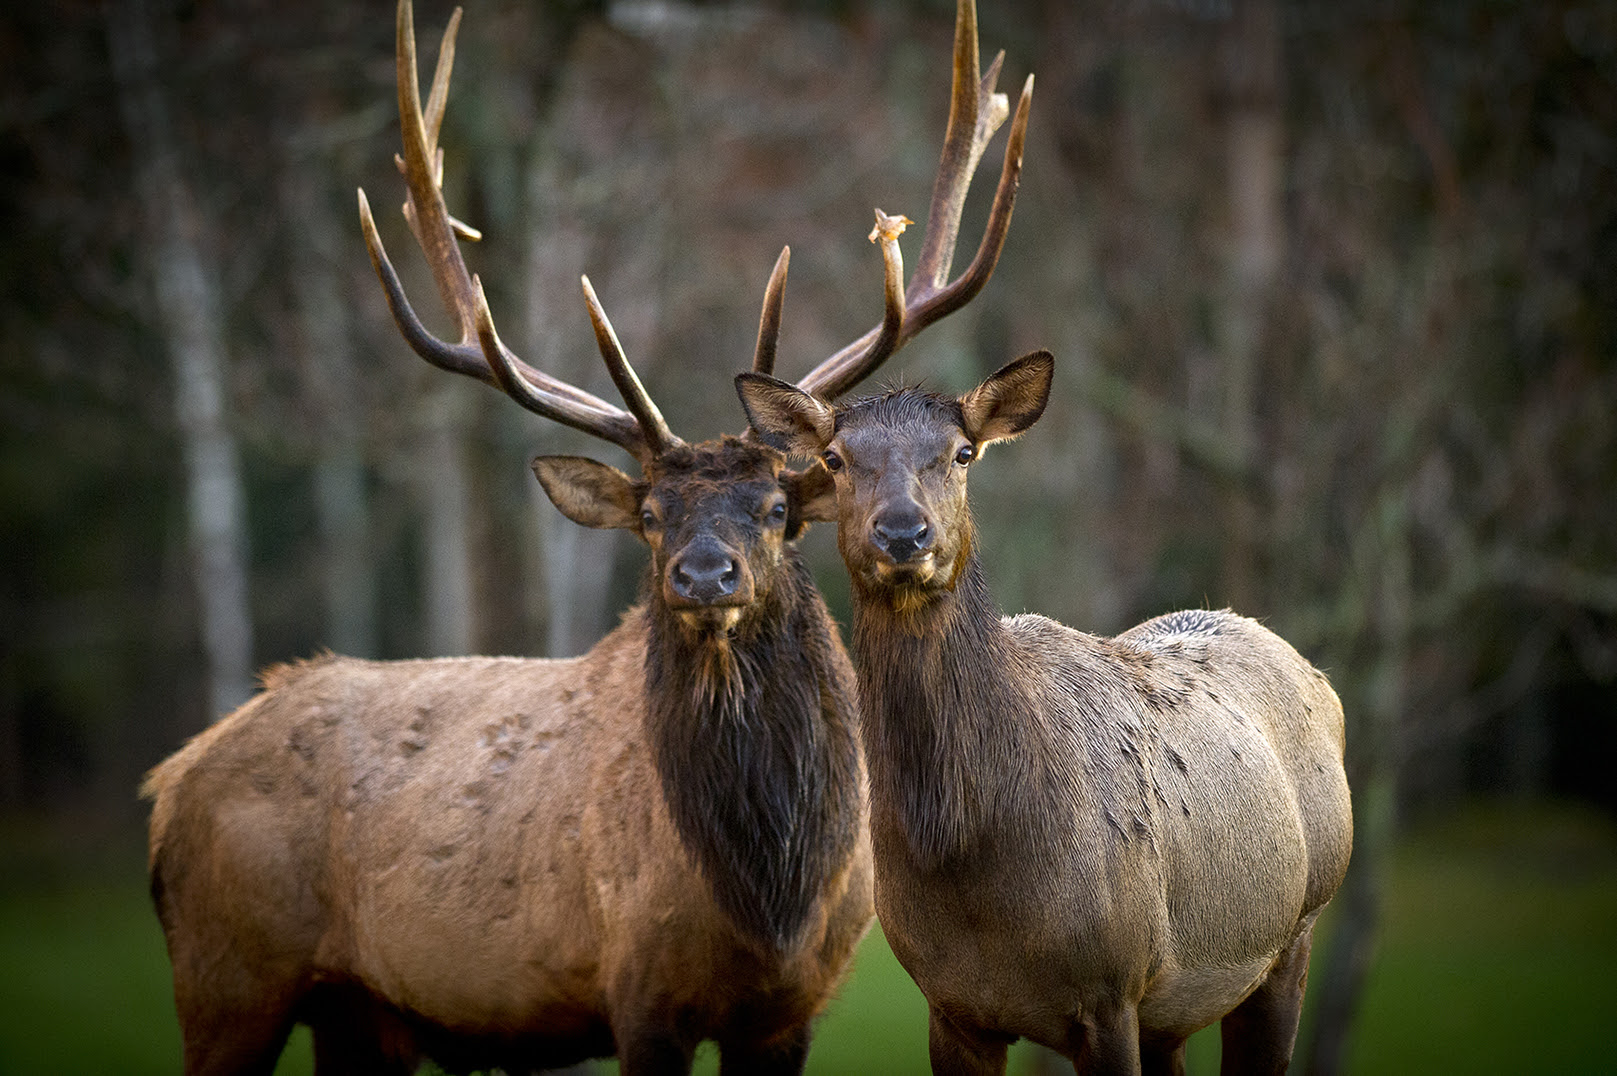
(1332, 289)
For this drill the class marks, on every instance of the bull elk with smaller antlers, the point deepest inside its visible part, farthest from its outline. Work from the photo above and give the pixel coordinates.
(1102, 845)
(523, 863)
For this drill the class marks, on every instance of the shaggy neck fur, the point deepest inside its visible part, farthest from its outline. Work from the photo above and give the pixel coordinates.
(756, 742)
(954, 740)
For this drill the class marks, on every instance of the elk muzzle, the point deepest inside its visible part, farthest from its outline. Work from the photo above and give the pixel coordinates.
(903, 536)
(708, 584)
(704, 575)
(905, 542)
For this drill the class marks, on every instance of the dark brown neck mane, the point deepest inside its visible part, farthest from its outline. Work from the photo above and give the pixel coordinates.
(755, 739)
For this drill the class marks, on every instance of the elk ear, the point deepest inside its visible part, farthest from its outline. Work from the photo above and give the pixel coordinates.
(590, 493)
(812, 495)
(786, 417)
(1011, 400)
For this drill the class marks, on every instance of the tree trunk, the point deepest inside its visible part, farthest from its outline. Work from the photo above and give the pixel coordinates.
(191, 323)
(1255, 168)
(572, 567)
(1343, 964)
(446, 500)
(1384, 696)
(341, 501)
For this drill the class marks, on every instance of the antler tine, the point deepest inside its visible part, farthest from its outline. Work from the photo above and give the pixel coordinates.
(763, 357)
(479, 353)
(890, 334)
(942, 301)
(422, 173)
(621, 429)
(976, 111)
(659, 438)
(964, 139)
(438, 98)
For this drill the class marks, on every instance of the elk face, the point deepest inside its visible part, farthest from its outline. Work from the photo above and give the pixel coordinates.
(899, 462)
(717, 516)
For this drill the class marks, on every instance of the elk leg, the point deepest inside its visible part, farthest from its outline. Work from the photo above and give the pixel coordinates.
(966, 1051)
(1260, 1033)
(233, 1019)
(340, 1052)
(785, 1055)
(653, 1051)
(354, 1033)
(1108, 1041)
(1159, 1057)
(243, 1040)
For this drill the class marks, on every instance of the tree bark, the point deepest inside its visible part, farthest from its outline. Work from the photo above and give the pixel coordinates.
(1255, 168)
(572, 568)
(451, 617)
(190, 322)
(341, 500)
(1384, 694)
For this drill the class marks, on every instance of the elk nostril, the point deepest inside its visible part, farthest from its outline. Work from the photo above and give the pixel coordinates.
(901, 532)
(902, 539)
(704, 578)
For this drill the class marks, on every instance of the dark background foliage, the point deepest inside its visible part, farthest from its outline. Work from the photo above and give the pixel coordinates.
(1332, 290)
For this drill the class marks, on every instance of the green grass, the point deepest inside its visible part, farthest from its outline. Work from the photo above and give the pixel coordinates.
(1500, 934)
(1498, 950)
(84, 982)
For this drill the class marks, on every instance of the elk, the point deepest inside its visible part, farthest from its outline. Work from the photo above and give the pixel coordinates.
(1102, 845)
(522, 863)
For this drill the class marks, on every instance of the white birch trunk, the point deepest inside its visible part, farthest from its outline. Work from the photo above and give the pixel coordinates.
(191, 323)
(570, 569)
(341, 501)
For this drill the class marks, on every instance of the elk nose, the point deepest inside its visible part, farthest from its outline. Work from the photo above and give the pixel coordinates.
(902, 537)
(706, 575)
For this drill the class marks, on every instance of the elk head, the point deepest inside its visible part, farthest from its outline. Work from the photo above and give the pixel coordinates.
(899, 462)
(716, 515)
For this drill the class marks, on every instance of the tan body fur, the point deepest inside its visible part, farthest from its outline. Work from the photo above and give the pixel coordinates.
(479, 842)
(1201, 824)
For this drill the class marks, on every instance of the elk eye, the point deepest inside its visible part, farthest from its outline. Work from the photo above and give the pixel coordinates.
(648, 519)
(832, 461)
(965, 455)
(777, 514)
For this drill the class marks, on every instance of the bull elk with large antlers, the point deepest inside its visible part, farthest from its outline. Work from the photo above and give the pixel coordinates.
(1102, 845)
(523, 863)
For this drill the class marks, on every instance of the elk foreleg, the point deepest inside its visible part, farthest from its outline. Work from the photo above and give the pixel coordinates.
(1260, 1033)
(785, 1055)
(965, 1051)
(358, 1035)
(653, 1051)
(1107, 1041)
(1160, 1057)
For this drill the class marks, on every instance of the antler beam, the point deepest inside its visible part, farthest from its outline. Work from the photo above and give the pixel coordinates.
(976, 111)
(480, 353)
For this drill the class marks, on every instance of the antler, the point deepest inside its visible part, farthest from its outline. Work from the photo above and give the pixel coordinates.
(480, 353)
(976, 111)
